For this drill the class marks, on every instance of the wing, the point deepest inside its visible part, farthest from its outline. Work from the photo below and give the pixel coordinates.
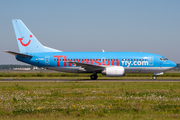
(18, 54)
(88, 67)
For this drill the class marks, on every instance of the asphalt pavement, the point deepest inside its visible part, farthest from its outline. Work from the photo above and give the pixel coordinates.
(80, 80)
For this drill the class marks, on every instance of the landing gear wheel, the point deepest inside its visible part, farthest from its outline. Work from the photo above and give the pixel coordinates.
(154, 77)
(93, 77)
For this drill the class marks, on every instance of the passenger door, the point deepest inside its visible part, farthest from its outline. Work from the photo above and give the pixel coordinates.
(47, 60)
(151, 60)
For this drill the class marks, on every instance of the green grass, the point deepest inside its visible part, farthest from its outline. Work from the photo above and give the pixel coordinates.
(90, 100)
(11, 75)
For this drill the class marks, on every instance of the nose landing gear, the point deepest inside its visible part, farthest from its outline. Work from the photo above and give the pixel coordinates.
(154, 77)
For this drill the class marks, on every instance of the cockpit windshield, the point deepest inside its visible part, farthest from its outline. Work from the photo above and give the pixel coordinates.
(163, 59)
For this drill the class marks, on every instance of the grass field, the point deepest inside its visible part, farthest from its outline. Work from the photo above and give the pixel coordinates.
(90, 100)
(51, 75)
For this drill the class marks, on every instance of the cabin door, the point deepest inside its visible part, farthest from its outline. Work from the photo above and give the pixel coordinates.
(151, 60)
(47, 60)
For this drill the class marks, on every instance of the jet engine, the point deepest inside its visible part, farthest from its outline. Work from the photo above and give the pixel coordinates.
(114, 71)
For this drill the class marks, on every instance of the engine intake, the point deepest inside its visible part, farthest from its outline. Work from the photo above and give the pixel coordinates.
(114, 71)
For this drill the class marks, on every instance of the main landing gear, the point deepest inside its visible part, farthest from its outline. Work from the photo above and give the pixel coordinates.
(94, 77)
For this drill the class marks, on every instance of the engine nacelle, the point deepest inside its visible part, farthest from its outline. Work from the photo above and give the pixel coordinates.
(114, 71)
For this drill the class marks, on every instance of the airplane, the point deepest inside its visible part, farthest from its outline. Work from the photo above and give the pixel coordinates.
(111, 64)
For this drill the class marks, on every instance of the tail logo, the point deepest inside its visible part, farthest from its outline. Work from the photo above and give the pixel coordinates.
(20, 39)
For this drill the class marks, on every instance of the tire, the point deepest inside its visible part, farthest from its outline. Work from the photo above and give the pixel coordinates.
(154, 77)
(94, 77)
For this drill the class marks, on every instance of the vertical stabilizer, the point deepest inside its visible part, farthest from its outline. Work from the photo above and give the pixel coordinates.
(27, 42)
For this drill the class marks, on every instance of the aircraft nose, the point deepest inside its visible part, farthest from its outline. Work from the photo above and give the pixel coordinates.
(173, 64)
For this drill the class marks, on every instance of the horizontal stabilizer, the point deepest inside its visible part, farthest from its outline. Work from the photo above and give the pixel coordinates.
(18, 54)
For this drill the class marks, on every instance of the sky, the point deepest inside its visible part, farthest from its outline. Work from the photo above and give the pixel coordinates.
(92, 25)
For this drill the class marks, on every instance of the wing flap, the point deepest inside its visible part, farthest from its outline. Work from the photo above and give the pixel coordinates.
(18, 54)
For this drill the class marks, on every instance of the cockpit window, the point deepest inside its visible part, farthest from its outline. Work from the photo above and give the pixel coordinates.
(163, 59)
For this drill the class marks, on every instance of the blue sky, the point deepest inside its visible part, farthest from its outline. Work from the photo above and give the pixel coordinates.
(81, 25)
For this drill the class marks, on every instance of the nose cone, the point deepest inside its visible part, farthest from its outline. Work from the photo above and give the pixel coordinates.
(173, 64)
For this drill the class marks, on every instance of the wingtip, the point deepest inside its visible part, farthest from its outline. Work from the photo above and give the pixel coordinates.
(6, 51)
